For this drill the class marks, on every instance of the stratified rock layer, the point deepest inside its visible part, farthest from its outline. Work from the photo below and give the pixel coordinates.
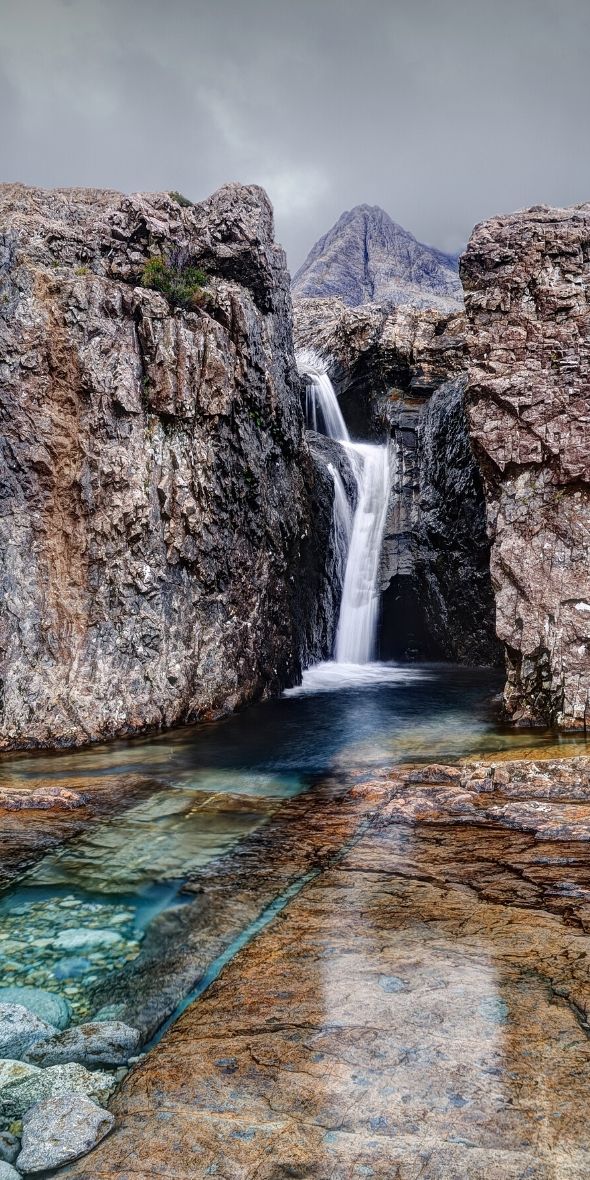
(158, 557)
(527, 281)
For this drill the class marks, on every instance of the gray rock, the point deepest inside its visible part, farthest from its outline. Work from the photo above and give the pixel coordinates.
(7, 1172)
(368, 258)
(9, 1147)
(22, 1085)
(72, 968)
(46, 1005)
(59, 1130)
(82, 938)
(95, 1043)
(20, 1029)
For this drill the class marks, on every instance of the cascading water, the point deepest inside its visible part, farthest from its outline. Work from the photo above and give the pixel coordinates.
(322, 409)
(359, 609)
(362, 533)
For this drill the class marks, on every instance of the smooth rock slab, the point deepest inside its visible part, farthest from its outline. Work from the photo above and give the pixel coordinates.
(96, 1043)
(86, 939)
(19, 1090)
(59, 1130)
(47, 1006)
(20, 1029)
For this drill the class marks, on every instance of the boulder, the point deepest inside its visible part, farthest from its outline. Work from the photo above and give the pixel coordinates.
(22, 1085)
(96, 1043)
(82, 938)
(48, 1006)
(61, 1129)
(20, 1029)
(9, 1147)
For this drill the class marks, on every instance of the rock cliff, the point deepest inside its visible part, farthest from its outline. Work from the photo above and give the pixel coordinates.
(527, 280)
(158, 560)
(368, 258)
(398, 372)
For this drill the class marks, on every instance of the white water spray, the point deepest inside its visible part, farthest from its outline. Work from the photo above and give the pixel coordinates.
(323, 411)
(359, 609)
(363, 535)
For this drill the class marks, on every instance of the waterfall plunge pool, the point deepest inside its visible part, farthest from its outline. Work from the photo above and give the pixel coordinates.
(215, 786)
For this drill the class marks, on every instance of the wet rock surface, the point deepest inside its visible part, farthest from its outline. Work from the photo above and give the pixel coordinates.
(26, 834)
(154, 524)
(59, 1130)
(526, 278)
(421, 1003)
(399, 373)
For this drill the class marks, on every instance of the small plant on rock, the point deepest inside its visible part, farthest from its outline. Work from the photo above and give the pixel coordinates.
(182, 286)
(181, 200)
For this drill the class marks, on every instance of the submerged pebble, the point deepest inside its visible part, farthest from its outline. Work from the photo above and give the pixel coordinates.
(35, 957)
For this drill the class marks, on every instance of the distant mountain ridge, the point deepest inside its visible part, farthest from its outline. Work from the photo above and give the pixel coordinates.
(368, 258)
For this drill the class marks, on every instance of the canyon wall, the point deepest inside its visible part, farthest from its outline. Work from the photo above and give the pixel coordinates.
(527, 283)
(163, 525)
(399, 374)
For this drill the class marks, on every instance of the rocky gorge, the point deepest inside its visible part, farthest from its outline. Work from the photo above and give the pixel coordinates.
(338, 931)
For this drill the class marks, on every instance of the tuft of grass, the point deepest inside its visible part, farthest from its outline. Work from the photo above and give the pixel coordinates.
(182, 286)
(181, 200)
(82, 270)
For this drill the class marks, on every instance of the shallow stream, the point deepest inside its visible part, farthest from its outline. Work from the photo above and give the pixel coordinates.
(83, 911)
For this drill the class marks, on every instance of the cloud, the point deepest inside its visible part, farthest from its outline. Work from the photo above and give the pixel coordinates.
(441, 112)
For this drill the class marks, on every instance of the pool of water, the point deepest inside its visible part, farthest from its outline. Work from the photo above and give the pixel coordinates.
(83, 911)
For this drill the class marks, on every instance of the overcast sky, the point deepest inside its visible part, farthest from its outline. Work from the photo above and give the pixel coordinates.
(441, 111)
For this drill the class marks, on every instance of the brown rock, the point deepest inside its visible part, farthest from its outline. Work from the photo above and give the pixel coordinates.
(159, 494)
(527, 278)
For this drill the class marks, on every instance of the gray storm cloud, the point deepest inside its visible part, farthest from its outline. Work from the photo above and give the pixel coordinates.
(441, 111)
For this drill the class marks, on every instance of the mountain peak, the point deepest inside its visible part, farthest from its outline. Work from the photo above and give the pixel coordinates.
(366, 257)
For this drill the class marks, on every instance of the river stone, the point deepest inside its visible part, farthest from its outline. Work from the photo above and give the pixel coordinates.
(20, 1029)
(81, 938)
(9, 1147)
(96, 1043)
(72, 968)
(46, 1005)
(7, 1172)
(19, 1091)
(60, 1130)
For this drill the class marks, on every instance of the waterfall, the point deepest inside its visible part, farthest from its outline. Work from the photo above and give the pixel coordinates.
(359, 609)
(322, 409)
(360, 536)
(342, 518)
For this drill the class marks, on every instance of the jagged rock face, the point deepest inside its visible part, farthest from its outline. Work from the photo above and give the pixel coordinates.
(399, 374)
(527, 278)
(367, 258)
(379, 356)
(158, 496)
